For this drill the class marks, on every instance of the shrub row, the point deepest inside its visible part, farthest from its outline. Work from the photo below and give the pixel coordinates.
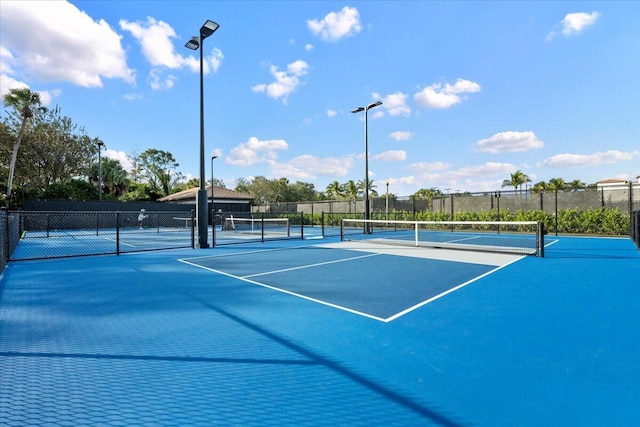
(599, 221)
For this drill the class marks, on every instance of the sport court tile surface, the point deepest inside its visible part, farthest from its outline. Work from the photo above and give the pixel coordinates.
(368, 279)
(145, 339)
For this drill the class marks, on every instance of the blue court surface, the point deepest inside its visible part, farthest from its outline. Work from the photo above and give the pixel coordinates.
(324, 333)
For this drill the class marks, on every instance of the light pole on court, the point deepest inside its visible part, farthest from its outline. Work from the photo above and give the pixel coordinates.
(100, 145)
(208, 28)
(367, 213)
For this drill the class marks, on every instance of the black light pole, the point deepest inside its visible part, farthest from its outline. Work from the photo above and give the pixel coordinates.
(100, 145)
(206, 30)
(366, 109)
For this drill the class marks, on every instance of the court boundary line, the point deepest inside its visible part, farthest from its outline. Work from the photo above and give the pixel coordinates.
(451, 290)
(328, 304)
(312, 265)
(295, 294)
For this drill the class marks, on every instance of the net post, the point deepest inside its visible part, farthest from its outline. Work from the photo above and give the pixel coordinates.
(342, 230)
(213, 227)
(301, 225)
(540, 239)
(193, 222)
(416, 233)
(322, 222)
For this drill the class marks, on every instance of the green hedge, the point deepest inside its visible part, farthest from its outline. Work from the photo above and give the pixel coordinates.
(600, 221)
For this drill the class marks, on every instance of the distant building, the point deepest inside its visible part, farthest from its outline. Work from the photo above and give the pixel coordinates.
(616, 190)
(225, 199)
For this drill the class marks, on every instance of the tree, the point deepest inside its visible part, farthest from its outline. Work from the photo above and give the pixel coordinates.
(335, 190)
(243, 185)
(75, 189)
(217, 182)
(372, 188)
(516, 180)
(193, 183)
(539, 187)
(158, 169)
(557, 184)
(426, 194)
(576, 185)
(115, 181)
(351, 190)
(22, 101)
(302, 192)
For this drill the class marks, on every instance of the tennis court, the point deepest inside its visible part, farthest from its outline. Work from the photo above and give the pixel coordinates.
(325, 331)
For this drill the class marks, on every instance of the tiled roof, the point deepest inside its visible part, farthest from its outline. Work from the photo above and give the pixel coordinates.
(219, 193)
(612, 181)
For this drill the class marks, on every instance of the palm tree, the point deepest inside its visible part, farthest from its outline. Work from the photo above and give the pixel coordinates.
(350, 190)
(557, 184)
(334, 190)
(21, 100)
(372, 188)
(576, 185)
(540, 187)
(517, 179)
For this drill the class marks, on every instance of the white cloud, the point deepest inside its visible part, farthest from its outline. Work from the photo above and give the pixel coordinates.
(7, 83)
(395, 103)
(509, 141)
(255, 151)
(132, 96)
(401, 135)
(285, 82)
(55, 52)
(391, 156)
(308, 167)
(336, 25)
(575, 23)
(308, 47)
(483, 177)
(155, 39)
(438, 97)
(121, 156)
(331, 113)
(595, 159)
(158, 81)
(429, 167)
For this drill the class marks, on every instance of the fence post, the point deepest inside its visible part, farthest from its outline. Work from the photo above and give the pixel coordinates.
(117, 233)
(630, 205)
(451, 196)
(556, 210)
(542, 201)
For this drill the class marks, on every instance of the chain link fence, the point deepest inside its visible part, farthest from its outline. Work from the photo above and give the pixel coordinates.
(44, 235)
(625, 199)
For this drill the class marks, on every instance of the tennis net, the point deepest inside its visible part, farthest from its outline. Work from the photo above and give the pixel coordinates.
(263, 226)
(519, 237)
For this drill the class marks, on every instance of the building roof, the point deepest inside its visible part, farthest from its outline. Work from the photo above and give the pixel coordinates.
(612, 181)
(220, 193)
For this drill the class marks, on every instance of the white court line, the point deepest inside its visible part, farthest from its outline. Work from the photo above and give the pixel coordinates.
(121, 242)
(310, 265)
(448, 291)
(498, 260)
(284, 291)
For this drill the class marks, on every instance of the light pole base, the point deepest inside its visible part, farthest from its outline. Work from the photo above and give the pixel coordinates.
(201, 215)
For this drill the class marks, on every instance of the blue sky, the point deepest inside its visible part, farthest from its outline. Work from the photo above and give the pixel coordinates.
(471, 91)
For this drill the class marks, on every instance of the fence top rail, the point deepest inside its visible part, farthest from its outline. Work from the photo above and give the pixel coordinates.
(384, 221)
